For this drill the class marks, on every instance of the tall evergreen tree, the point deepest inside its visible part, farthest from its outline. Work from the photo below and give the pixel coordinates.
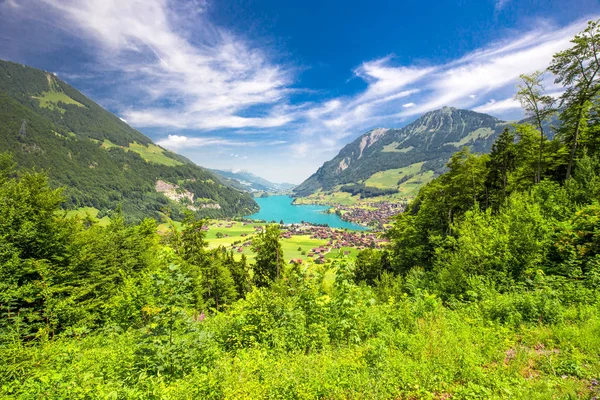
(239, 273)
(500, 164)
(217, 281)
(269, 256)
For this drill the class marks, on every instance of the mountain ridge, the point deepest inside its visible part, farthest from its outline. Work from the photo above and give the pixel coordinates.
(100, 160)
(431, 140)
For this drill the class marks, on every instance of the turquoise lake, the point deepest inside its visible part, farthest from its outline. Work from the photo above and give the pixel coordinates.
(277, 208)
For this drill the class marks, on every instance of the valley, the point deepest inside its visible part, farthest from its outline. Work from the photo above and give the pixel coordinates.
(444, 254)
(301, 243)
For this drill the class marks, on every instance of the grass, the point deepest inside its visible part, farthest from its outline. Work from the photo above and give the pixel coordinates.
(289, 246)
(411, 187)
(92, 212)
(52, 99)
(334, 197)
(107, 144)
(476, 134)
(151, 153)
(392, 148)
(402, 348)
(352, 253)
(165, 227)
(389, 179)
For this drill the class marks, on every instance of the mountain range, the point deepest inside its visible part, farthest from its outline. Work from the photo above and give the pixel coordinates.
(104, 163)
(247, 181)
(100, 160)
(401, 160)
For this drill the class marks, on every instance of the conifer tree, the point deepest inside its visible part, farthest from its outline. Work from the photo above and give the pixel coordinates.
(269, 256)
(500, 164)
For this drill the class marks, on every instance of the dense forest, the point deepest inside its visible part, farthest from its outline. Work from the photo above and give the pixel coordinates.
(490, 287)
(48, 125)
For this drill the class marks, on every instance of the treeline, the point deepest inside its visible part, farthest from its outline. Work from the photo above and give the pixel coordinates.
(527, 208)
(490, 288)
(59, 273)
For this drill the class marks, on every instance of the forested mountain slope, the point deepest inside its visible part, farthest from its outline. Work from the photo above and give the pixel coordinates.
(103, 162)
(418, 151)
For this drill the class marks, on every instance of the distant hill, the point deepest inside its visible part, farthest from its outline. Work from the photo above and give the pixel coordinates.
(401, 160)
(247, 181)
(103, 162)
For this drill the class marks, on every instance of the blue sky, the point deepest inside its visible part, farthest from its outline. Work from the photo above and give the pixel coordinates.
(278, 87)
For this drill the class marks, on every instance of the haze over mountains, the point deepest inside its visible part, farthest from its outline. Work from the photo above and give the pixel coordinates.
(389, 158)
(100, 160)
(247, 181)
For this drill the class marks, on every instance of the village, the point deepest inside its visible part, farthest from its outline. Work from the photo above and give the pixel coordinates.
(301, 242)
(375, 215)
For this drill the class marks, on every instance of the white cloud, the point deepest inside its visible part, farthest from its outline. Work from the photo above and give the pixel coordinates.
(385, 79)
(494, 106)
(494, 68)
(395, 93)
(177, 142)
(210, 78)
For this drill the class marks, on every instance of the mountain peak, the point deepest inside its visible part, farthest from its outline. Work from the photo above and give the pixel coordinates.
(447, 109)
(423, 147)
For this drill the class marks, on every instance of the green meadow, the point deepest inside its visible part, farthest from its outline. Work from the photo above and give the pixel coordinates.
(389, 179)
(89, 212)
(150, 153)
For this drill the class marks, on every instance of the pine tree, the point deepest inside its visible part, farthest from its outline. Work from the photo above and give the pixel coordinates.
(239, 273)
(500, 164)
(217, 282)
(269, 256)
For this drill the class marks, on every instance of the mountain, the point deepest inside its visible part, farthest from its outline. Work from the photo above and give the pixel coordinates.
(403, 159)
(247, 181)
(103, 162)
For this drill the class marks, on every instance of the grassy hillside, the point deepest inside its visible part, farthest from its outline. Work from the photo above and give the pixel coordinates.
(103, 162)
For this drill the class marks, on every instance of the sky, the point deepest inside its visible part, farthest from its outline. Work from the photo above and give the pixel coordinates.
(279, 87)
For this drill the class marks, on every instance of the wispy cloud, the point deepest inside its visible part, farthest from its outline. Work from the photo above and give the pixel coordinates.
(177, 142)
(500, 4)
(395, 93)
(190, 76)
(494, 106)
(469, 81)
(209, 87)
